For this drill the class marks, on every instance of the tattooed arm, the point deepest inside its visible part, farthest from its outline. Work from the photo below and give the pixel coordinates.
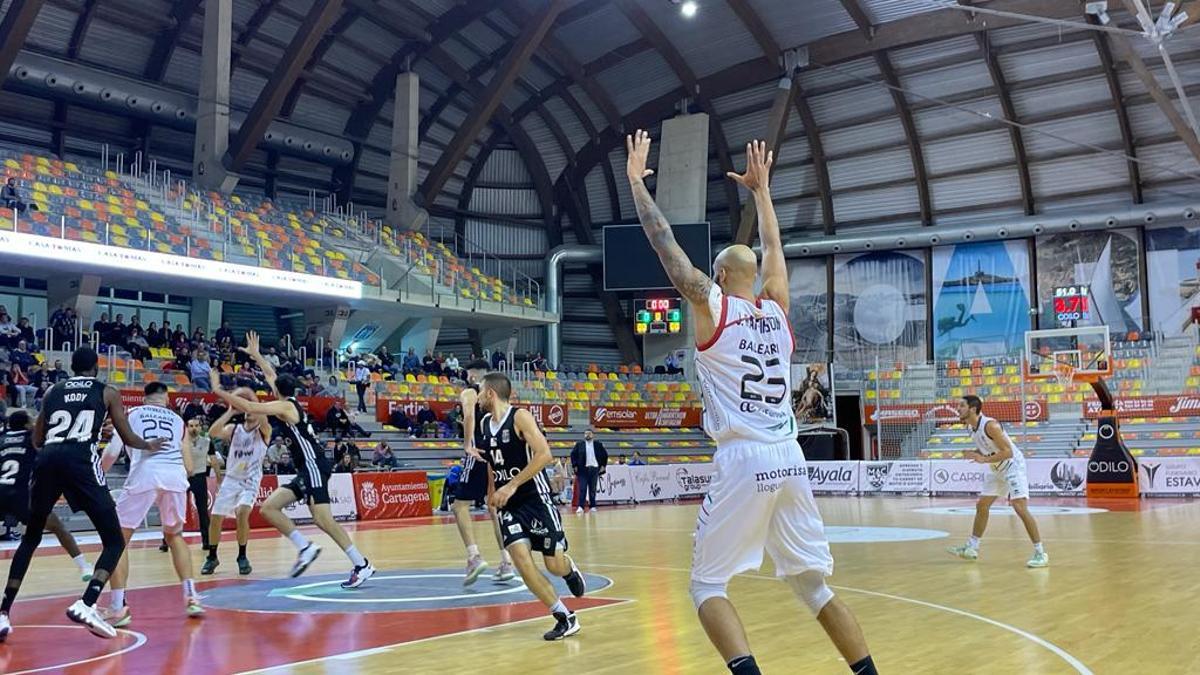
(689, 281)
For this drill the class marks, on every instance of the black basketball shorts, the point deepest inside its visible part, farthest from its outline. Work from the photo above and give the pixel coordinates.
(15, 502)
(472, 482)
(534, 520)
(309, 490)
(73, 472)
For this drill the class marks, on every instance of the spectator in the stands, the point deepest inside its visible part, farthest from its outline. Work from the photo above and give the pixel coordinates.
(118, 332)
(8, 331)
(23, 391)
(137, 345)
(429, 364)
(622, 460)
(12, 196)
(636, 460)
(386, 361)
(25, 331)
(451, 367)
(154, 337)
(337, 421)
(384, 458)
(224, 333)
(362, 380)
(497, 360)
(100, 329)
(198, 336)
(454, 419)
(425, 416)
(673, 364)
(412, 363)
(344, 465)
(284, 463)
(331, 388)
(21, 356)
(345, 447)
(179, 337)
(63, 321)
(200, 371)
(401, 421)
(135, 322)
(272, 357)
(56, 374)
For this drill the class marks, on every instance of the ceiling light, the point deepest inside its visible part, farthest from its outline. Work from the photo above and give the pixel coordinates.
(688, 8)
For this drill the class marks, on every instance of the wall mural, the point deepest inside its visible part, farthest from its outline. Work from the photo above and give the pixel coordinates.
(981, 299)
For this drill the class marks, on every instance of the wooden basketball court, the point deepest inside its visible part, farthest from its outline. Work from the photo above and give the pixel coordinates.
(1118, 598)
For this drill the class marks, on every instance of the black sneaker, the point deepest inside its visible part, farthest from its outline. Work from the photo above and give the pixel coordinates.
(567, 625)
(210, 566)
(163, 546)
(244, 566)
(575, 582)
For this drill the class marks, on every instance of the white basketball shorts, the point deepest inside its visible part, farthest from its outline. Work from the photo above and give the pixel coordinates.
(1012, 482)
(133, 507)
(234, 493)
(759, 499)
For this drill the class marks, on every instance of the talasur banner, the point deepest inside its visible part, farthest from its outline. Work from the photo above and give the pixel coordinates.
(1181, 405)
(393, 494)
(622, 417)
(947, 412)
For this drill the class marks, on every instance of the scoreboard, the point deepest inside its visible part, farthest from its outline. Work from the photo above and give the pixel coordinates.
(1071, 304)
(657, 316)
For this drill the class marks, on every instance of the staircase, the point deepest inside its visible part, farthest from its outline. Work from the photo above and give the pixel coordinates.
(258, 318)
(1171, 366)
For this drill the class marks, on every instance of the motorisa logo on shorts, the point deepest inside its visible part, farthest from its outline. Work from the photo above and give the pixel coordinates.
(770, 481)
(368, 495)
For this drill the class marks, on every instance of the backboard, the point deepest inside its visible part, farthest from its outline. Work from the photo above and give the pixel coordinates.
(1086, 349)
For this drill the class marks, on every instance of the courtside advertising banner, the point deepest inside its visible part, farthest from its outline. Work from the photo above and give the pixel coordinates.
(546, 414)
(834, 477)
(957, 476)
(653, 483)
(265, 488)
(341, 499)
(392, 494)
(615, 484)
(692, 480)
(1170, 475)
(621, 417)
(947, 412)
(1066, 476)
(1181, 405)
(902, 476)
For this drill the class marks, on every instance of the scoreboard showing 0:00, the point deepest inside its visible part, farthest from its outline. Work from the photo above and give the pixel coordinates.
(658, 316)
(1071, 304)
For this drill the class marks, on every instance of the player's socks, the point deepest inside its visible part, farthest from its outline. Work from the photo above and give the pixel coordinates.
(212, 552)
(505, 558)
(298, 540)
(559, 608)
(81, 562)
(241, 550)
(189, 589)
(472, 550)
(355, 557)
(1037, 548)
(973, 542)
(92, 593)
(864, 667)
(116, 597)
(10, 595)
(744, 665)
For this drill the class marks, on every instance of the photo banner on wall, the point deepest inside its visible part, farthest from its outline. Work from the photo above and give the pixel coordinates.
(808, 290)
(981, 299)
(879, 307)
(1106, 262)
(812, 395)
(1173, 270)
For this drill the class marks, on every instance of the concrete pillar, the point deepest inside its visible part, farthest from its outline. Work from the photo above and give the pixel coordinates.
(329, 322)
(76, 292)
(406, 145)
(212, 108)
(206, 314)
(422, 335)
(682, 194)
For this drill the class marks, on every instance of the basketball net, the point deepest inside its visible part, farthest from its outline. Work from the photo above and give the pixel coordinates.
(1064, 373)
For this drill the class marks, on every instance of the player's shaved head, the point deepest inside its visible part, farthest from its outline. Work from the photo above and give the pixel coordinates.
(735, 269)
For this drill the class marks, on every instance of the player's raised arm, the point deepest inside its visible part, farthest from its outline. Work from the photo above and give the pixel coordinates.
(221, 428)
(251, 349)
(692, 283)
(757, 179)
(281, 408)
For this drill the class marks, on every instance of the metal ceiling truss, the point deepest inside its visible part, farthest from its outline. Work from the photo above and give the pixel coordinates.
(14, 28)
(992, 60)
(1104, 51)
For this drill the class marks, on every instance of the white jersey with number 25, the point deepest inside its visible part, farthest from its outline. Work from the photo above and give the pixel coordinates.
(745, 371)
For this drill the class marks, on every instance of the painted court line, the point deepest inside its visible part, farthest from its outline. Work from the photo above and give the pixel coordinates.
(139, 640)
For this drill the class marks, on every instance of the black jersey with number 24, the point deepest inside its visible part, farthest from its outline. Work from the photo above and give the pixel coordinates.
(74, 413)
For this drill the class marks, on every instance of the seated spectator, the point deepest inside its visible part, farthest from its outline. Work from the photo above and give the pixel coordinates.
(386, 361)
(454, 419)
(272, 357)
(25, 331)
(178, 337)
(118, 332)
(21, 356)
(347, 448)
(344, 465)
(636, 460)
(540, 364)
(401, 421)
(621, 460)
(63, 321)
(100, 329)
(275, 452)
(12, 197)
(154, 337)
(224, 333)
(284, 464)
(412, 364)
(451, 367)
(9, 333)
(673, 364)
(200, 371)
(137, 345)
(425, 416)
(337, 420)
(198, 335)
(383, 456)
(331, 388)
(56, 374)
(22, 391)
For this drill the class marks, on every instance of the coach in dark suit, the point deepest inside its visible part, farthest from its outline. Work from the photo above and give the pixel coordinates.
(589, 460)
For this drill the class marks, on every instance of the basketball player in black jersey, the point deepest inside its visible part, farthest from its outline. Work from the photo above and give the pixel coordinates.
(67, 431)
(516, 450)
(472, 485)
(312, 470)
(17, 456)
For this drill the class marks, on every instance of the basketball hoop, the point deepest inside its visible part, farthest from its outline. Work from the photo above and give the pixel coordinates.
(1064, 373)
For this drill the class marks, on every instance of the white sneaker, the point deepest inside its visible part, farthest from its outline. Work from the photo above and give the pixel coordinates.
(1038, 560)
(305, 558)
(90, 618)
(5, 627)
(359, 576)
(579, 510)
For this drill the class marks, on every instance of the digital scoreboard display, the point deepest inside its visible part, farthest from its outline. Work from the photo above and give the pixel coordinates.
(1071, 304)
(658, 316)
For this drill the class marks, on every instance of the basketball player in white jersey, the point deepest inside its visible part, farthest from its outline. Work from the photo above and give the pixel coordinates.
(246, 445)
(155, 478)
(1007, 478)
(760, 499)
(472, 485)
